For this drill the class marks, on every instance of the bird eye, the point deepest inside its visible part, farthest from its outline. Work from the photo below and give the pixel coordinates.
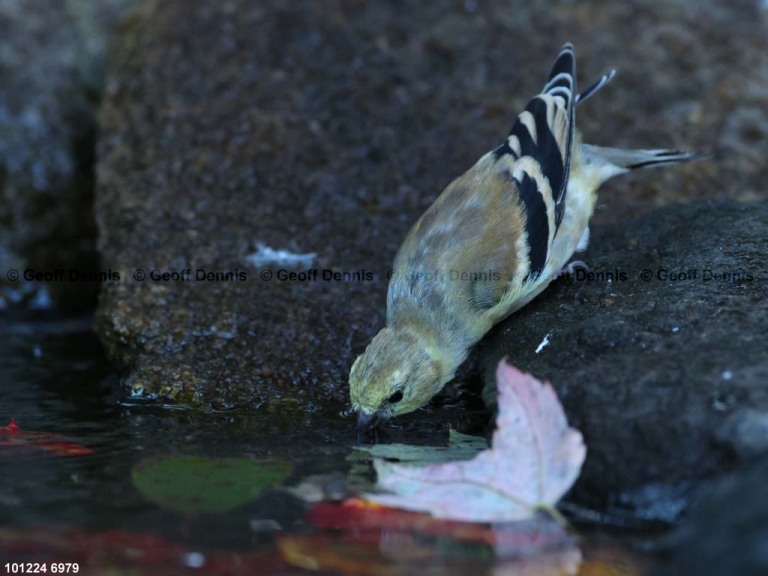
(396, 397)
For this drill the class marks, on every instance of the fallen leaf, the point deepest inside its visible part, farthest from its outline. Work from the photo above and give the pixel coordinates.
(534, 460)
(12, 429)
(14, 440)
(331, 553)
(368, 520)
(460, 447)
(199, 485)
(374, 540)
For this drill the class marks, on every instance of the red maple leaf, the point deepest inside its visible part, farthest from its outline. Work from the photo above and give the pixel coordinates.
(13, 438)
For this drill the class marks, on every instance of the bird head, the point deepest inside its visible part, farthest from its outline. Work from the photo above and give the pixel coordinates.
(399, 372)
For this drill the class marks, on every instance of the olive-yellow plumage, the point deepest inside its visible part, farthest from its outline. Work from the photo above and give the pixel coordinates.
(490, 243)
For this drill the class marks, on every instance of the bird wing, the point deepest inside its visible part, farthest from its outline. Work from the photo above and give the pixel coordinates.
(543, 135)
(460, 256)
(500, 217)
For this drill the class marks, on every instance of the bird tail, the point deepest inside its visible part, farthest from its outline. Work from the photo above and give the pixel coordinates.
(596, 87)
(600, 164)
(625, 160)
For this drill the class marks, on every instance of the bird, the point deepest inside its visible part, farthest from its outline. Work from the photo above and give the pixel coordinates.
(492, 241)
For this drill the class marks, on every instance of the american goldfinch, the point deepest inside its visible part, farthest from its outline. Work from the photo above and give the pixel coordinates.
(490, 243)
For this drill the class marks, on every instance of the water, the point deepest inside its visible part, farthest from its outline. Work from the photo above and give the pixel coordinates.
(87, 508)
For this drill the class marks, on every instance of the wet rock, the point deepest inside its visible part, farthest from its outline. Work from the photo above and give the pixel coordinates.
(51, 63)
(727, 531)
(327, 130)
(658, 352)
(745, 433)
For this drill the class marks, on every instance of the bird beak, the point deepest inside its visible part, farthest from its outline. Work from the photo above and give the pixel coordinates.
(367, 421)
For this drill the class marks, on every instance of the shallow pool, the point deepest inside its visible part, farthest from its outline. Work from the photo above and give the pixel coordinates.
(97, 482)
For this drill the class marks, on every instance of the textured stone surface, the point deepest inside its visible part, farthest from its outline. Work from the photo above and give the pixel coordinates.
(727, 531)
(663, 369)
(329, 129)
(51, 60)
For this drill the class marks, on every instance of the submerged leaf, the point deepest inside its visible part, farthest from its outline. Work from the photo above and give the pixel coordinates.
(199, 485)
(12, 429)
(534, 460)
(14, 440)
(416, 543)
(508, 539)
(460, 447)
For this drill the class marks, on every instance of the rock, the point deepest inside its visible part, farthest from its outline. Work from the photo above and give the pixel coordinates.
(727, 531)
(327, 130)
(658, 352)
(51, 65)
(745, 433)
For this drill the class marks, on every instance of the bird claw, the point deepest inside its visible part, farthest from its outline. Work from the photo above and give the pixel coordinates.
(572, 267)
